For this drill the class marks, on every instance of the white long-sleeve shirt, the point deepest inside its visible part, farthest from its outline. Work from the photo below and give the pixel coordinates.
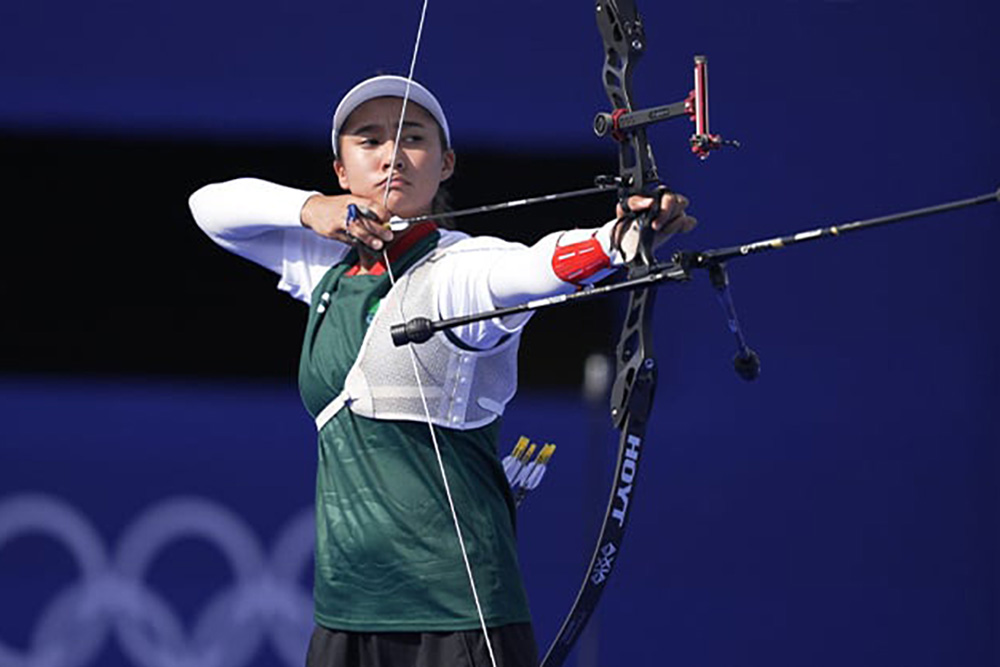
(260, 221)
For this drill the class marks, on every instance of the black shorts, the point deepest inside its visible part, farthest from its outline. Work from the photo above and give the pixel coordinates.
(513, 646)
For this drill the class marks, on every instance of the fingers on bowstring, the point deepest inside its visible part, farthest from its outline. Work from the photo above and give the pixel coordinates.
(368, 212)
(364, 224)
(365, 235)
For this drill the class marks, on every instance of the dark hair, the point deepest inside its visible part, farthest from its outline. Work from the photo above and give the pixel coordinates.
(442, 198)
(442, 204)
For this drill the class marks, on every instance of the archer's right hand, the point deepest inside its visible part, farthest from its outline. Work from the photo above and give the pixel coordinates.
(328, 216)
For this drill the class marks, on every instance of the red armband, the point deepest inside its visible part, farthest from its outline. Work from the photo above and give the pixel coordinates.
(579, 261)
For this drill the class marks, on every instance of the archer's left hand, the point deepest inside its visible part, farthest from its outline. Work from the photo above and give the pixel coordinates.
(673, 218)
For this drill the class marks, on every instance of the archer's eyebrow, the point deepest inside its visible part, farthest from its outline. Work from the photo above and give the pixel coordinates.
(373, 128)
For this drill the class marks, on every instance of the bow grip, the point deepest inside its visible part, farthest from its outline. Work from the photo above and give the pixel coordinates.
(644, 257)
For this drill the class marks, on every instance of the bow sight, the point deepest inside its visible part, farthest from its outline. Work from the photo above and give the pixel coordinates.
(695, 106)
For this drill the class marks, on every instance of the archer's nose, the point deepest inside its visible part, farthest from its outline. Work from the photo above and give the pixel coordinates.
(388, 155)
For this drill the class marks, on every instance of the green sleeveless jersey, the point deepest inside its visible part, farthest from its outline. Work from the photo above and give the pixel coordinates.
(387, 556)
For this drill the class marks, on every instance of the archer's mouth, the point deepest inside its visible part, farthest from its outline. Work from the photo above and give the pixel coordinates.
(396, 182)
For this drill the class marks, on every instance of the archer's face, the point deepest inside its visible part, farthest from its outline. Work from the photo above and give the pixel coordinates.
(365, 155)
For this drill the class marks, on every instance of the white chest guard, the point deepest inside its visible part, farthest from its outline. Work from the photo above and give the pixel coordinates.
(464, 388)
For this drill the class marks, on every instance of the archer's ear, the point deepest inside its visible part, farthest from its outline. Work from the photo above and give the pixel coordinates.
(447, 164)
(341, 172)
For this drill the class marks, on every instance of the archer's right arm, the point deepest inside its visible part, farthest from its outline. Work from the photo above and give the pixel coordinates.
(262, 222)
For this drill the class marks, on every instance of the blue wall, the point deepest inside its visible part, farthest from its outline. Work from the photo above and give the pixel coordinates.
(841, 510)
(782, 71)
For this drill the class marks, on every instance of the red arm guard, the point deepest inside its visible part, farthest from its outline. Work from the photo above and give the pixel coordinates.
(576, 262)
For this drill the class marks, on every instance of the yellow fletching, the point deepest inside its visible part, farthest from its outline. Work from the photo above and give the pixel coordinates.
(522, 442)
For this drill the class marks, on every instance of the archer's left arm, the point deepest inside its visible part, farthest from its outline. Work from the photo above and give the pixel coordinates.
(499, 274)
(563, 262)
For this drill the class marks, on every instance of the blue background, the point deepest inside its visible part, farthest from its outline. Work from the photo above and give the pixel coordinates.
(843, 509)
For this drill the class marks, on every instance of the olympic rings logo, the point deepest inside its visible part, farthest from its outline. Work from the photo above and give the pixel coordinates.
(264, 601)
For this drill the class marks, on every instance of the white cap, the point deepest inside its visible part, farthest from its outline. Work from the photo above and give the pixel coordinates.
(387, 85)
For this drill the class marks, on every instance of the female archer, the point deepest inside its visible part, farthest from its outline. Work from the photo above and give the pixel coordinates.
(416, 560)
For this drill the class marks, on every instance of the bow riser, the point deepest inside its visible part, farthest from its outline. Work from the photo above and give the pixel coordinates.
(633, 352)
(635, 381)
(624, 43)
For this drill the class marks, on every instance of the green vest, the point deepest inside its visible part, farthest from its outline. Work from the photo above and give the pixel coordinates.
(387, 556)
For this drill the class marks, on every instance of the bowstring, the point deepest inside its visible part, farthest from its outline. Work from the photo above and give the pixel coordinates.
(413, 355)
